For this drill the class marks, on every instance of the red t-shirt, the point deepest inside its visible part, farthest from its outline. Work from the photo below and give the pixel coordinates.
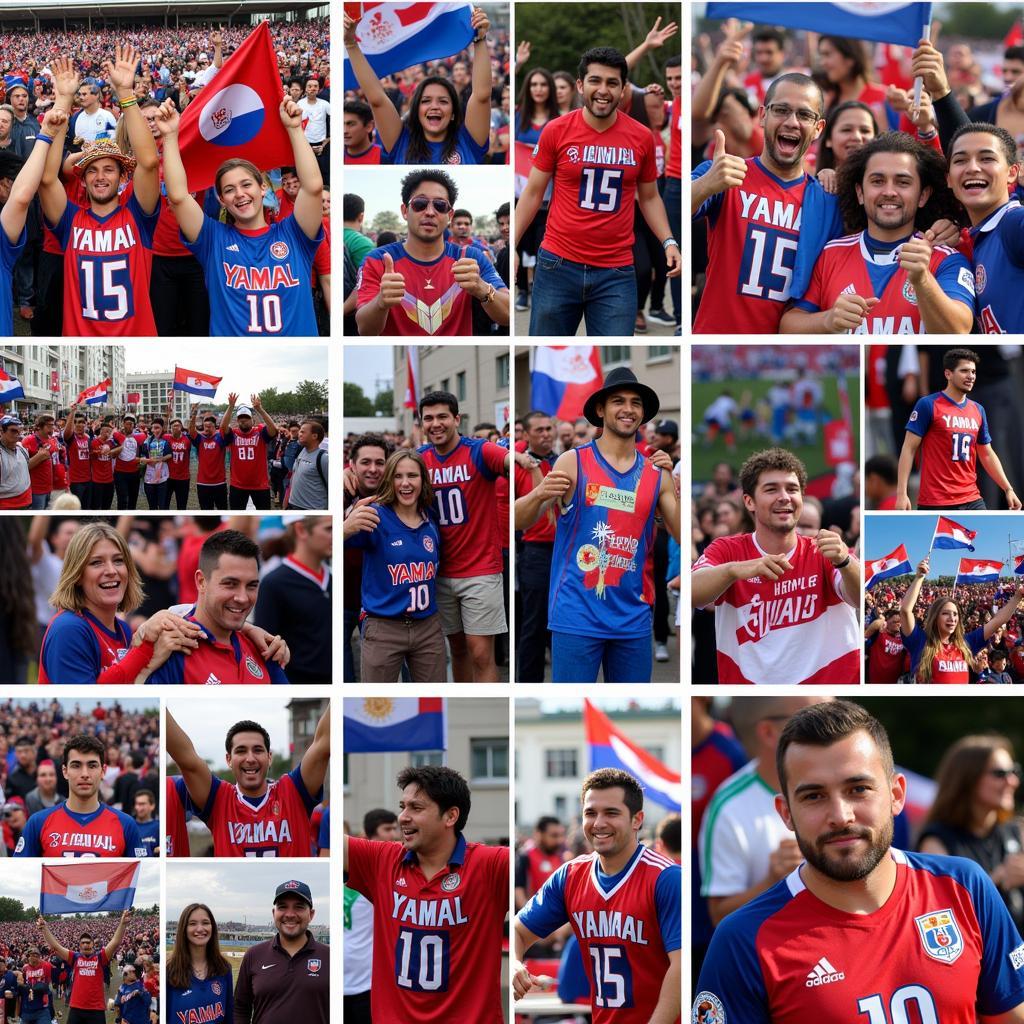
(42, 475)
(887, 658)
(249, 458)
(87, 988)
(210, 452)
(179, 464)
(675, 139)
(79, 458)
(102, 464)
(542, 531)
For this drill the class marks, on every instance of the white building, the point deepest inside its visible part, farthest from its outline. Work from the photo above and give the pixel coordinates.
(153, 386)
(54, 375)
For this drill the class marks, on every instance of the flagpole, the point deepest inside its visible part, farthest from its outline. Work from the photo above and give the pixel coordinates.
(926, 33)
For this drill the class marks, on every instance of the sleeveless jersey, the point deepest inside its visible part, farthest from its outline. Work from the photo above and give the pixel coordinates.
(752, 237)
(399, 566)
(433, 303)
(467, 510)
(210, 453)
(601, 578)
(42, 475)
(102, 464)
(79, 458)
(88, 990)
(998, 252)
(107, 265)
(886, 658)
(277, 826)
(942, 943)
(127, 460)
(849, 266)
(76, 648)
(249, 457)
(950, 434)
(949, 665)
(596, 175)
(259, 281)
(180, 456)
(436, 944)
(626, 925)
(59, 832)
(798, 629)
(177, 811)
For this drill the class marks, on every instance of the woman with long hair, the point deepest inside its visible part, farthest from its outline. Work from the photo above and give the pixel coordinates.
(848, 127)
(565, 92)
(536, 106)
(199, 984)
(940, 651)
(844, 63)
(973, 814)
(436, 131)
(398, 534)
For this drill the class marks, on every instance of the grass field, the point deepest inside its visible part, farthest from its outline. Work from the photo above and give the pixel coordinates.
(705, 456)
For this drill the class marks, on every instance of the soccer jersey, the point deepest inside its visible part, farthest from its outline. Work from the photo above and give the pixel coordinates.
(467, 150)
(372, 155)
(9, 254)
(596, 175)
(59, 832)
(101, 462)
(79, 458)
(180, 451)
(433, 303)
(602, 582)
(205, 1001)
(399, 566)
(77, 647)
(107, 265)
(950, 433)
(942, 943)
(210, 455)
(436, 943)
(949, 665)
(886, 658)
(248, 450)
(133, 1002)
(998, 252)
(177, 811)
(856, 266)
(127, 460)
(259, 280)
(464, 493)
(42, 474)
(753, 231)
(149, 833)
(36, 990)
(797, 629)
(88, 987)
(626, 925)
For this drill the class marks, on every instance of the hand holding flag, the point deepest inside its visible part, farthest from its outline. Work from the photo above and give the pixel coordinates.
(88, 887)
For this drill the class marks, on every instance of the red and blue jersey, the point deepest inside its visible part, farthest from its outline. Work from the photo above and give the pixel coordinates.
(248, 457)
(467, 506)
(78, 647)
(373, 155)
(88, 981)
(433, 303)
(753, 231)
(998, 253)
(602, 583)
(950, 433)
(467, 150)
(626, 925)
(210, 455)
(259, 280)
(59, 832)
(9, 254)
(399, 566)
(180, 454)
(177, 813)
(436, 943)
(596, 175)
(107, 266)
(273, 825)
(860, 265)
(949, 665)
(35, 990)
(941, 945)
(205, 1001)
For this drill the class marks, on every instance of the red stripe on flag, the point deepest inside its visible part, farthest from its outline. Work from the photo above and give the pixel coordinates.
(413, 13)
(431, 704)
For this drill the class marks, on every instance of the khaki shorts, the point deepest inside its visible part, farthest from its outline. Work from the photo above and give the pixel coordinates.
(472, 604)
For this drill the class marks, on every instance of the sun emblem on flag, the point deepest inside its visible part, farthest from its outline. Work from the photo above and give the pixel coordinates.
(88, 893)
(379, 707)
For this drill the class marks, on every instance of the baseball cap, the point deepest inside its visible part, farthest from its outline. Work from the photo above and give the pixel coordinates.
(14, 801)
(10, 421)
(243, 410)
(669, 427)
(293, 517)
(293, 887)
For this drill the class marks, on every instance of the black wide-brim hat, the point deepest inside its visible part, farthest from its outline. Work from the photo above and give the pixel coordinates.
(622, 379)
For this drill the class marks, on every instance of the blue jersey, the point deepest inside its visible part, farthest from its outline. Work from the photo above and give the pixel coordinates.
(76, 648)
(260, 282)
(942, 943)
(9, 253)
(467, 149)
(399, 566)
(60, 832)
(323, 841)
(204, 1002)
(999, 270)
(149, 832)
(133, 1002)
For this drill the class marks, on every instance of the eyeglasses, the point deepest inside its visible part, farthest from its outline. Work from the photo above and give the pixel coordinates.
(1004, 773)
(419, 203)
(783, 110)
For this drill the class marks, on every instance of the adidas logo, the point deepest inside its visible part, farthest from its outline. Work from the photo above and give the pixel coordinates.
(232, 248)
(823, 974)
(400, 882)
(213, 680)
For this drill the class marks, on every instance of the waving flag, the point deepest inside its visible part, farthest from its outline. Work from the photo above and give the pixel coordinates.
(950, 535)
(96, 395)
(563, 377)
(236, 115)
(195, 382)
(10, 388)
(412, 377)
(978, 570)
(376, 724)
(902, 23)
(610, 747)
(88, 887)
(1018, 564)
(896, 563)
(397, 36)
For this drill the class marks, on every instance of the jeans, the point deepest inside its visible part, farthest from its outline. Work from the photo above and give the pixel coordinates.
(238, 498)
(673, 198)
(178, 490)
(158, 496)
(564, 291)
(40, 501)
(576, 659)
(102, 495)
(83, 492)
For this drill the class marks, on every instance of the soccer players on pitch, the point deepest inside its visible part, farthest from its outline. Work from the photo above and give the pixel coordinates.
(623, 902)
(951, 432)
(603, 166)
(439, 904)
(860, 929)
(255, 817)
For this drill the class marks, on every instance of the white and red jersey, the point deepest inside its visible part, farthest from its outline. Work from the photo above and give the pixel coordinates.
(127, 460)
(797, 629)
(180, 452)
(596, 175)
(249, 457)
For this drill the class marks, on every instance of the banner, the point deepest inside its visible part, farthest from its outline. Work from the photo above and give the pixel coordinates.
(949, 535)
(195, 382)
(412, 377)
(96, 395)
(377, 724)
(896, 563)
(88, 887)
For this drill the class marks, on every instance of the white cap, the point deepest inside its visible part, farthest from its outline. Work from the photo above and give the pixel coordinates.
(243, 410)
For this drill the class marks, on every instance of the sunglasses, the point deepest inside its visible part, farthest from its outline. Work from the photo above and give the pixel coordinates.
(419, 203)
(1004, 773)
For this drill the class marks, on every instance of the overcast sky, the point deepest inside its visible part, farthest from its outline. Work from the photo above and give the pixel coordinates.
(366, 364)
(21, 880)
(207, 722)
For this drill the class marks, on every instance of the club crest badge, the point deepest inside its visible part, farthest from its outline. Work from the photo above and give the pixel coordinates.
(940, 935)
(450, 882)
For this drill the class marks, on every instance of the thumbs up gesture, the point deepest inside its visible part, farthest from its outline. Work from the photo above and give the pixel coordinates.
(392, 284)
(726, 171)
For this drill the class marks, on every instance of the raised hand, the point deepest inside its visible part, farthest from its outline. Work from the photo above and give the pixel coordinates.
(55, 120)
(726, 171)
(349, 30)
(291, 115)
(659, 36)
(479, 22)
(66, 79)
(167, 118)
(522, 53)
(122, 71)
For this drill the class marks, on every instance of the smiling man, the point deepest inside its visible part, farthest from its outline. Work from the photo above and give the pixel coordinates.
(784, 603)
(860, 930)
(439, 903)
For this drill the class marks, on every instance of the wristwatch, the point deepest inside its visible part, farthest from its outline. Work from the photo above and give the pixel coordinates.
(669, 241)
(490, 295)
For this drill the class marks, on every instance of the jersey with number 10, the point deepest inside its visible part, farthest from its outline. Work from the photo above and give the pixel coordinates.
(595, 181)
(753, 231)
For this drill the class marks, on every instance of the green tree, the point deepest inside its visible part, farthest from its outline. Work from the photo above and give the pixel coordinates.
(975, 21)
(311, 395)
(11, 909)
(386, 220)
(385, 402)
(354, 402)
(269, 399)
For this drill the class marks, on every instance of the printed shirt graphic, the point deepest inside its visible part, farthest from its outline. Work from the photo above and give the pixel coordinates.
(87, 986)
(602, 581)
(798, 629)
(437, 943)
(33, 998)
(433, 303)
(210, 454)
(886, 657)
(249, 457)
(998, 245)
(180, 456)
(80, 458)
(942, 942)
(59, 832)
(949, 665)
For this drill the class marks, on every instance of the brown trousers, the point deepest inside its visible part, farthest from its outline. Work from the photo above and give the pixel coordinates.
(387, 643)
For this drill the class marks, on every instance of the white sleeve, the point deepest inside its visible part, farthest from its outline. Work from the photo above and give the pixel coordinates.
(724, 856)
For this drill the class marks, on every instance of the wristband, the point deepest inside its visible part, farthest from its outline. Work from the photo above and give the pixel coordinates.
(844, 563)
(123, 104)
(669, 241)
(44, 138)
